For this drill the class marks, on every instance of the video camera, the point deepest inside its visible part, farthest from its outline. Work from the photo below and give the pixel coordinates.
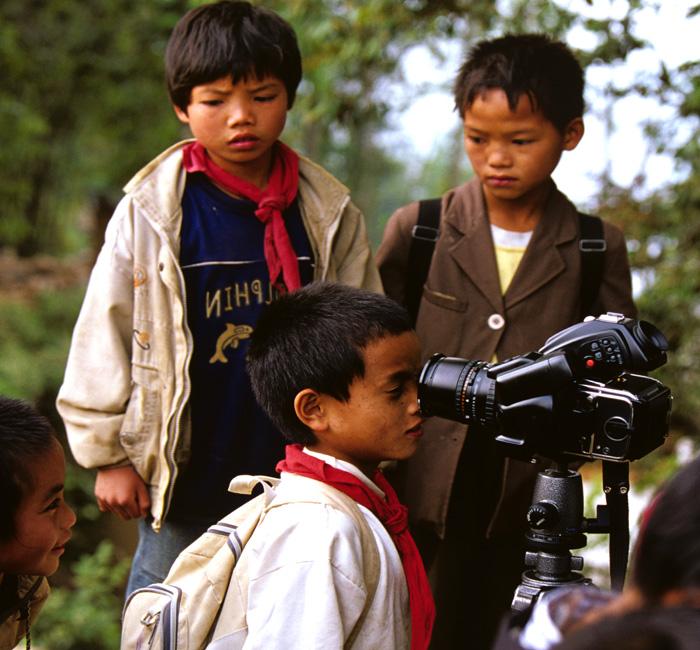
(577, 396)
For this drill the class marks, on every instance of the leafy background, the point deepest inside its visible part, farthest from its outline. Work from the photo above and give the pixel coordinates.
(83, 106)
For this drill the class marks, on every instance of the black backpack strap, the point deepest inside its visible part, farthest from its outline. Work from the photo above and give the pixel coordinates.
(423, 238)
(592, 246)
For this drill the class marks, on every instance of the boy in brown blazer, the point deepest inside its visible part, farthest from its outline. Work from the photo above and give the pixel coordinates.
(505, 275)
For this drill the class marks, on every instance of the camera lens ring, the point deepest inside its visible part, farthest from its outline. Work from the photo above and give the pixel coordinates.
(473, 373)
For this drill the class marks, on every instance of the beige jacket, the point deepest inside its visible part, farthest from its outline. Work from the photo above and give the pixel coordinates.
(126, 385)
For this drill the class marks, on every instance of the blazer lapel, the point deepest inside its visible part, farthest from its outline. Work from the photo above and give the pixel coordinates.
(543, 259)
(472, 249)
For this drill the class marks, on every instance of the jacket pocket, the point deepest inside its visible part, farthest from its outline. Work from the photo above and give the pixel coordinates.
(441, 322)
(140, 432)
(444, 300)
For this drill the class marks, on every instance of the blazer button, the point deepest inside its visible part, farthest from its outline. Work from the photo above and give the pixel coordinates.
(496, 321)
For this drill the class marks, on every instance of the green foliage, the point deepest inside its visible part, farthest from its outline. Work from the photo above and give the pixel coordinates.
(34, 340)
(82, 101)
(86, 616)
(664, 230)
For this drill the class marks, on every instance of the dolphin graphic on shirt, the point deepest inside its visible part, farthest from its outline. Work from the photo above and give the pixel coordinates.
(230, 337)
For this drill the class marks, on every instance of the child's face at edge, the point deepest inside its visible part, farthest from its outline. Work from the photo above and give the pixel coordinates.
(513, 152)
(238, 123)
(43, 520)
(380, 421)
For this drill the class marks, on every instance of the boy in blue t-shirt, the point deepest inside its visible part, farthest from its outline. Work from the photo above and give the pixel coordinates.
(156, 396)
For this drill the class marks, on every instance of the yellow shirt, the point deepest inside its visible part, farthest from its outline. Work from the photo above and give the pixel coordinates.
(510, 247)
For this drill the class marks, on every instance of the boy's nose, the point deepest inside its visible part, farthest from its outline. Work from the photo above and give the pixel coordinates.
(413, 405)
(69, 517)
(499, 157)
(239, 115)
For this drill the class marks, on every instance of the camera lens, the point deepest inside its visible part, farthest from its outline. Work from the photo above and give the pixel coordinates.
(457, 389)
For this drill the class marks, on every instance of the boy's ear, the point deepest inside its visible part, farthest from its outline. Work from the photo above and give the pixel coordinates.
(181, 115)
(309, 408)
(573, 133)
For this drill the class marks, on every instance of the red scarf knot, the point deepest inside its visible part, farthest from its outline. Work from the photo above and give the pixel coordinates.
(397, 520)
(280, 192)
(394, 517)
(270, 206)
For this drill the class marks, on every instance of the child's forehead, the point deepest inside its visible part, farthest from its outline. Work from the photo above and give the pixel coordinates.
(494, 104)
(518, 101)
(392, 353)
(247, 78)
(44, 472)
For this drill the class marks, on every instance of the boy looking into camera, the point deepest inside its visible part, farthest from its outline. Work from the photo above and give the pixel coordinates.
(507, 272)
(156, 396)
(336, 369)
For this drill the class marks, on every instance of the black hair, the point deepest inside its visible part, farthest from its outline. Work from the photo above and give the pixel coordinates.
(667, 553)
(230, 38)
(651, 628)
(24, 435)
(524, 64)
(315, 338)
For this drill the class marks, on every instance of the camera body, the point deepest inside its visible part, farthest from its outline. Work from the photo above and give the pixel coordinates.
(580, 395)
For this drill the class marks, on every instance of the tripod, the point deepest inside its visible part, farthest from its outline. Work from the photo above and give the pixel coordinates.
(557, 525)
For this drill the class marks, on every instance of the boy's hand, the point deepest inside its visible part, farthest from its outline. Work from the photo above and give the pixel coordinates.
(122, 491)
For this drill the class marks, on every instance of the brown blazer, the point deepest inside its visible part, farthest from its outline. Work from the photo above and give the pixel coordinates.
(463, 313)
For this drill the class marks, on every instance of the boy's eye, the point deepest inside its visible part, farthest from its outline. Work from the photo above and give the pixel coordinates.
(53, 505)
(211, 102)
(265, 98)
(475, 139)
(521, 141)
(396, 393)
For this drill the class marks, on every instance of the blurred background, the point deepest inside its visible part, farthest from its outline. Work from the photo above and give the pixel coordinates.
(83, 106)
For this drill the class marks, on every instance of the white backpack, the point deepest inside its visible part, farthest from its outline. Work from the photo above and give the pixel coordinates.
(203, 601)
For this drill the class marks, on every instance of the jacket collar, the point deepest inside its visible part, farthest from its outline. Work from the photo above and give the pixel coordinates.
(473, 251)
(322, 196)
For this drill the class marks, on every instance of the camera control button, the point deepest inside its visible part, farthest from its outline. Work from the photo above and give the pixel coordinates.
(496, 321)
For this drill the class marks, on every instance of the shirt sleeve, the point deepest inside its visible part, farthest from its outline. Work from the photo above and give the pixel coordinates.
(352, 252)
(392, 254)
(97, 384)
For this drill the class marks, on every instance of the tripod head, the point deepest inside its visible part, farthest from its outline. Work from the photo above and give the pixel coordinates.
(557, 525)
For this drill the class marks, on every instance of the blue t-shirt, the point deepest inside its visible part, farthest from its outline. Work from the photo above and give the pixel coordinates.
(227, 286)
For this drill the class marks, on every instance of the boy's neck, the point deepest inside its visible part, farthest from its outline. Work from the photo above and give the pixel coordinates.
(518, 215)
(368, 469)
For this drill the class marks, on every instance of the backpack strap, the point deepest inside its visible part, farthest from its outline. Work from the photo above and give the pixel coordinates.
(592, 246)
(424, 236)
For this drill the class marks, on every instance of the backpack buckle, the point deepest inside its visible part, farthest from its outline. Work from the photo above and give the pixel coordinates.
(592, 245)
(425, 233)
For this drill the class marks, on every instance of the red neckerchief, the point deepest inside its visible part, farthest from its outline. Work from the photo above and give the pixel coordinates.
(393, 515)
(281, 190)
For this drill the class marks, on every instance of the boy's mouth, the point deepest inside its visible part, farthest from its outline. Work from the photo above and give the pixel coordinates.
(59, 548)
(415, 432)
(500, 181)
(244, 141)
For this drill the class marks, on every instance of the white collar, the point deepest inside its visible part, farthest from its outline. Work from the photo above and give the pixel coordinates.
(346, 467)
